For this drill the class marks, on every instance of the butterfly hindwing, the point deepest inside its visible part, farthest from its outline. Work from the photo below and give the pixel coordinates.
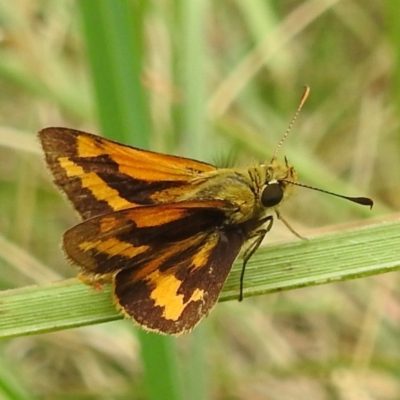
(168, 262)
(100, 176)
(126, 238)
(184, 287)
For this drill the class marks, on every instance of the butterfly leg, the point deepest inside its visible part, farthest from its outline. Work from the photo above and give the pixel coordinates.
(258, 236)
(280, 217)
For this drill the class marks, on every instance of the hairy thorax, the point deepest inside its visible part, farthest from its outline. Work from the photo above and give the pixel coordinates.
(241, 188)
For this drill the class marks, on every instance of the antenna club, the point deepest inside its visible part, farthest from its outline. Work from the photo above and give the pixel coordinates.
(363, 201)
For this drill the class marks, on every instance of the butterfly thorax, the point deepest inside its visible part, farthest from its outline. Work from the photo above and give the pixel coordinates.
(241, 188)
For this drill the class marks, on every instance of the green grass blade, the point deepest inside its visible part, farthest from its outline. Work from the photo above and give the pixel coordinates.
(392, 15)
(114, 39)
(114, 44)
(159, 361)
(197, 145)
(193, 77)
(346, 255)
(11, 387)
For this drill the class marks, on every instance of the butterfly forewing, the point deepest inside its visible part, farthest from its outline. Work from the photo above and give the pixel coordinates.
(100, 176)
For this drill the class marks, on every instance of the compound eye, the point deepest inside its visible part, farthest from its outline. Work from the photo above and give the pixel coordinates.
(271, 195)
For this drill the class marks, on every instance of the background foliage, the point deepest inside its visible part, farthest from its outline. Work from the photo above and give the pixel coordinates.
(217, 81)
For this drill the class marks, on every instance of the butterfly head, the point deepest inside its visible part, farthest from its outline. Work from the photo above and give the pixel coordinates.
(277, 185)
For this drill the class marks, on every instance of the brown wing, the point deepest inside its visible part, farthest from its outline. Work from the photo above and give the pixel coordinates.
(168, 262)
(100, 176)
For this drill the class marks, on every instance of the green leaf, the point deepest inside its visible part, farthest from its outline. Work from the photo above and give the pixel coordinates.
(341, 256)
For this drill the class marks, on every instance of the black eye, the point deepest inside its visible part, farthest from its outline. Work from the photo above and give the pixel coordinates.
(271, 195)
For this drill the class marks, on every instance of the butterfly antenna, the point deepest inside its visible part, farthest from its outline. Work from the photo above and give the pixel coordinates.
(364, 201)
(289, 128)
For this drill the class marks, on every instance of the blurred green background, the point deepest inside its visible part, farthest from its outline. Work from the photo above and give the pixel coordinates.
(217, 81)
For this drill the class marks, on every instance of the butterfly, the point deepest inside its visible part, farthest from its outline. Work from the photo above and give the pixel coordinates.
(163, 230)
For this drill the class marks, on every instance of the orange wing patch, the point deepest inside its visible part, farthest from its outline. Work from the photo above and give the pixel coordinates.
(112, 247)
(93, 183)
(166, 295)
(140, 164)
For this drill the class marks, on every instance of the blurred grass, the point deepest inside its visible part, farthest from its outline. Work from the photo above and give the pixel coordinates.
(336, 340)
